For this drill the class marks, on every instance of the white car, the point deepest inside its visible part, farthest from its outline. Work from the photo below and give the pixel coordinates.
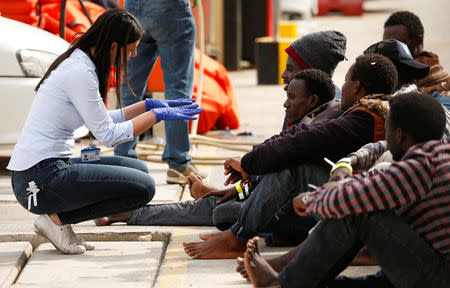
(298, 9)
(26, 53)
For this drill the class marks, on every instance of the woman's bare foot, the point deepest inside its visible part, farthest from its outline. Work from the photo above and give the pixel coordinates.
(225, 246)
(197, 188)
(259, 271)
(104, 221)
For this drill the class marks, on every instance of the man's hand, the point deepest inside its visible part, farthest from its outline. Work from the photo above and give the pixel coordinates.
(233, 168)
(300, 205)
(340, 174)
(226, 195)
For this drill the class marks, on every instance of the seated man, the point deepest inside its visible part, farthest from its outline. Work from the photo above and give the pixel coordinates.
(409, 71)
(310, 99)
(293, 159)
(407, 28)
(399, 213)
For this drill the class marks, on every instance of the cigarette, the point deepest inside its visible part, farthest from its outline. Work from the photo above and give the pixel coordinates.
(312, 186)
(329, 161)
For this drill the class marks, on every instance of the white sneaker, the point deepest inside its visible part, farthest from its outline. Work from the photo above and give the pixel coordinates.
(80, 241)
(59, 236)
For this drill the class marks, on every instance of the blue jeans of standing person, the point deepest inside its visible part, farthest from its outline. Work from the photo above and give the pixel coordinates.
(406, 259)
(79, 192)
(273, 192)
(170, 33)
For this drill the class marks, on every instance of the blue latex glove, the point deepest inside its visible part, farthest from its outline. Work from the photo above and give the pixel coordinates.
(177, 113)
(161, 103)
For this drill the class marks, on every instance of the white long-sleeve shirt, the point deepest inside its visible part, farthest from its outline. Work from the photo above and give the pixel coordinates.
(66, 100)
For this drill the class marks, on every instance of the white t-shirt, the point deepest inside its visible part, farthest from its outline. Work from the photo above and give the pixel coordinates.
(66, 100)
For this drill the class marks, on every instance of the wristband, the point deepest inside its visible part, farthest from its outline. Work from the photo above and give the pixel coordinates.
(240, 191)
(341, 164)
(305, 198)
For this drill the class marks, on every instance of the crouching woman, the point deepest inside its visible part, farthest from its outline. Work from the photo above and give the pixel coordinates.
(64, 190)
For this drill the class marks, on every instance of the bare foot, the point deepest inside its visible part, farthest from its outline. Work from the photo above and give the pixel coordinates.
(225, 246)
(104, 221)
(197, 188)
(259, 271)
(241, 268)
(363, 258)
(209, 236)
(277, 263)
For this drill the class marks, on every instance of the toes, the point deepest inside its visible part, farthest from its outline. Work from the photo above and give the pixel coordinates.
(240, 261)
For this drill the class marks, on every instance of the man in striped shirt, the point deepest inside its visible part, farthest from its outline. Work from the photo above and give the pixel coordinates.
(402, 213)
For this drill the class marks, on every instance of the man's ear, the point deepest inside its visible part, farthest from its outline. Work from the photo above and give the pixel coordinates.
(358, 89)
(419, 45)
(404, 139)
(314, 100)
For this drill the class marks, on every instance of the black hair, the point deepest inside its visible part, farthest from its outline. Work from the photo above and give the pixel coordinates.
(376, 73)
(409, 20)
(317, 82)
(420, 115)
(114, 25)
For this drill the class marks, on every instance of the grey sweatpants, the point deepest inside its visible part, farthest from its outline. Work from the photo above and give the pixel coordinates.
(201, 212)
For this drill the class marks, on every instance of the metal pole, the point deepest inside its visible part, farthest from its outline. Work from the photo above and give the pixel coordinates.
(276, 19)
(62, 20)
(201, 68)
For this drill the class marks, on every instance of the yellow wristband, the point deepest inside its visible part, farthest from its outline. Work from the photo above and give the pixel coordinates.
(341, 164)
(239, 188)
(305, 198)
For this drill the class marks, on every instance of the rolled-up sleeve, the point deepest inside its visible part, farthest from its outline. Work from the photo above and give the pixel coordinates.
(117, 115)
(83, 91)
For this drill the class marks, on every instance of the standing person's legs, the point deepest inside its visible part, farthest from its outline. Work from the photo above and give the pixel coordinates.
(405, 258)
(174, 30)
(139, 69)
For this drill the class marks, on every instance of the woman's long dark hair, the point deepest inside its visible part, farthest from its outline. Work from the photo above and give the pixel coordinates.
(115, 25)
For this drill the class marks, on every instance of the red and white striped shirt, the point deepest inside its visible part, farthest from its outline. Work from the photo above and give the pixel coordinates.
(417, 188)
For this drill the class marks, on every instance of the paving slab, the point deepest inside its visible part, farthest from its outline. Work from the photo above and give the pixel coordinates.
(111, 264)
(13, 256)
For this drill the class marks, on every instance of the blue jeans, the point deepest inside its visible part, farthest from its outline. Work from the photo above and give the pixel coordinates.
(79, 192)
(405, 258)
(273, 193)
(441, 98)
(170, 33)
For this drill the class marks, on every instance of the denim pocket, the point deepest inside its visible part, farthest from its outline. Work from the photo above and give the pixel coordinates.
(167, 22)
(45, 176)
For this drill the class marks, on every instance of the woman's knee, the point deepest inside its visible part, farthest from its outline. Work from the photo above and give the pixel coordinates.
(149, 188)
(135, 164)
